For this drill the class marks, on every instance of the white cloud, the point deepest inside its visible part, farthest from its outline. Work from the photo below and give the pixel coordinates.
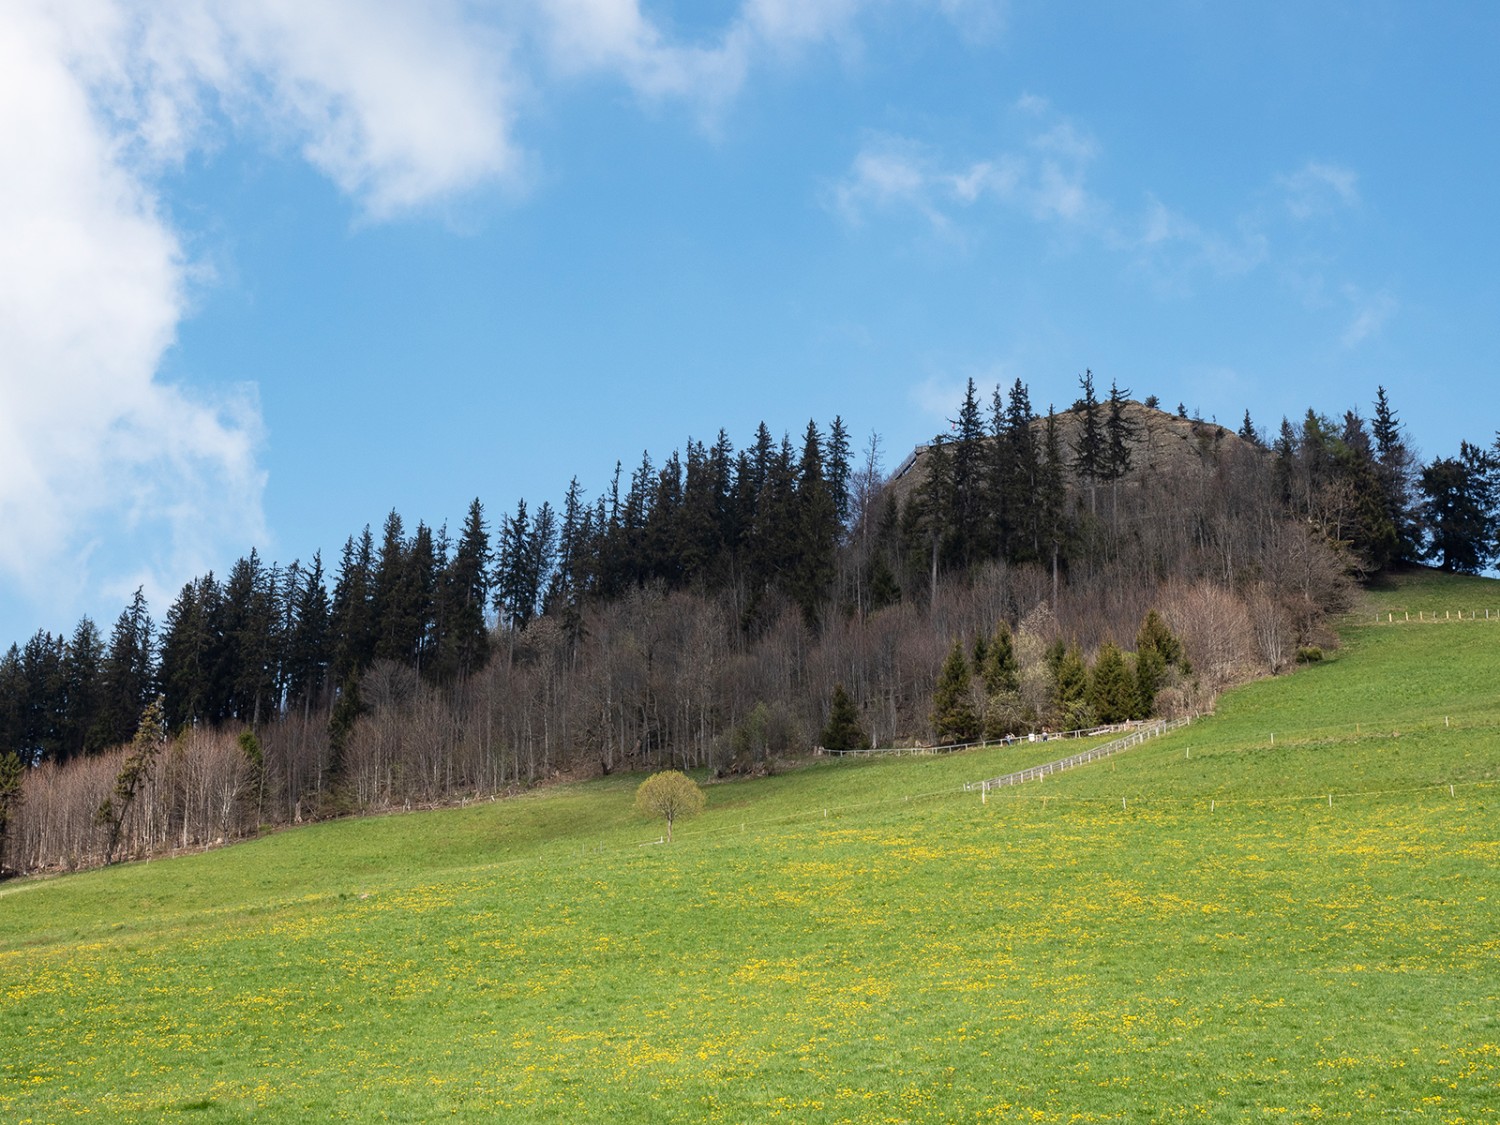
(939, 397)
(1371, 311)
(617, 37)
(1318, 188)
(1043, 178)
(110, 476)
(91, 290)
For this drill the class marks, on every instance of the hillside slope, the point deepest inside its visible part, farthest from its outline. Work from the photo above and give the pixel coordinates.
(1215, 926)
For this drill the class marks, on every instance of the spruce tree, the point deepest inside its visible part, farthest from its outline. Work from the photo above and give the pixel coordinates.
(811, 577)
(82, 666)
(12, 702)
(1112, 688)
(998, 516)
(1004, 713)
(464, 586)
(1070, 690)
(309, 648)
(1089, 451)
(1023, 500)
(1001, 670)
(12, 774)
(966, 530)
(1157, 651)
(1459, 507)
(353, 614)
(1397, 474)
(1052, 500)
(929, 516)
(1249, 433)
(128, 675)
(954, 719)
(844, 730)
(837, 472)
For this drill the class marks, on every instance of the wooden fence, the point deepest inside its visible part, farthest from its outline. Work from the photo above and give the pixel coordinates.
(1035, 773)
(1430, 615)
(954, 747)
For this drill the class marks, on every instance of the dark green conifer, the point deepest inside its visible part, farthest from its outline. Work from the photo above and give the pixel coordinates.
(844, 730)
(1112, 688)
(954, 718)
(1070, 690)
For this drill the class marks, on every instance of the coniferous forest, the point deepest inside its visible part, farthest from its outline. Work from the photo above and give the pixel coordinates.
(1024, 572)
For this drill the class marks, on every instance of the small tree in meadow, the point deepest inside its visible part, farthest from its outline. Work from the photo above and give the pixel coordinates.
(671, 795)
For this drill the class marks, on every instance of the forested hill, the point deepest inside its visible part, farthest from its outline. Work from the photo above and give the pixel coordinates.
(708, 610)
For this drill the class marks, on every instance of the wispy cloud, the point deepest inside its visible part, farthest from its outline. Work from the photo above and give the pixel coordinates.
(1043, 176)
(1318, 188)
(1371, 312)
(939, 397)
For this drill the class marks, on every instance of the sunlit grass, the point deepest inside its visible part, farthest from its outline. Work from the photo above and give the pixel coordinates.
(1186, 931)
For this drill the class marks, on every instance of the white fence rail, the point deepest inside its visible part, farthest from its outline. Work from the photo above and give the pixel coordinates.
(1399, 617)
(1035, 773)
(954, 747)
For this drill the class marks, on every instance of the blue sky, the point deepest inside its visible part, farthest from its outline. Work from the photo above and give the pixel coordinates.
(269, 269)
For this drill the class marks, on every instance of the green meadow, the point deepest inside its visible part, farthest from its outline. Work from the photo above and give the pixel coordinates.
(1289, 911)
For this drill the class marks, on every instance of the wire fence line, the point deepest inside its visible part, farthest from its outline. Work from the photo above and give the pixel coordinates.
(955, 747)
(1036, 773)
(1428, 616)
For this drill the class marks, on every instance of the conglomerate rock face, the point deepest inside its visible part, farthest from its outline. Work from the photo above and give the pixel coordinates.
(1163, 445)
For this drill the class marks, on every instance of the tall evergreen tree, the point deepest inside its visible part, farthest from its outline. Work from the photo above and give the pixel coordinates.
(1372, 534)
(1112, 688)
(954, 718)
(1000, 514)
(464, 646)
(1090, 455)
(1249, 433)
(967, 527)
(1001, 670)
(1156, 651)
(251, 638)
(837, 472)
(45, 697)
(514, 583)
(1459, 507)
(353, 615)
(812, 557)
(1070, 690)
(82, 669)
(1052, 499)
(1396, 471)
(12, 775)
(843, 730)
(929, 516)
(309, 647)
(1119, 434)
(193, 663)
(128, 679)
(1025, 490)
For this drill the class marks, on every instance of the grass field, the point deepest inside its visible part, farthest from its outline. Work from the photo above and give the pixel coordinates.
(1281, 913)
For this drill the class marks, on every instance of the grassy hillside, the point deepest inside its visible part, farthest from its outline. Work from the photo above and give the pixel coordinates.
(1187, 931)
